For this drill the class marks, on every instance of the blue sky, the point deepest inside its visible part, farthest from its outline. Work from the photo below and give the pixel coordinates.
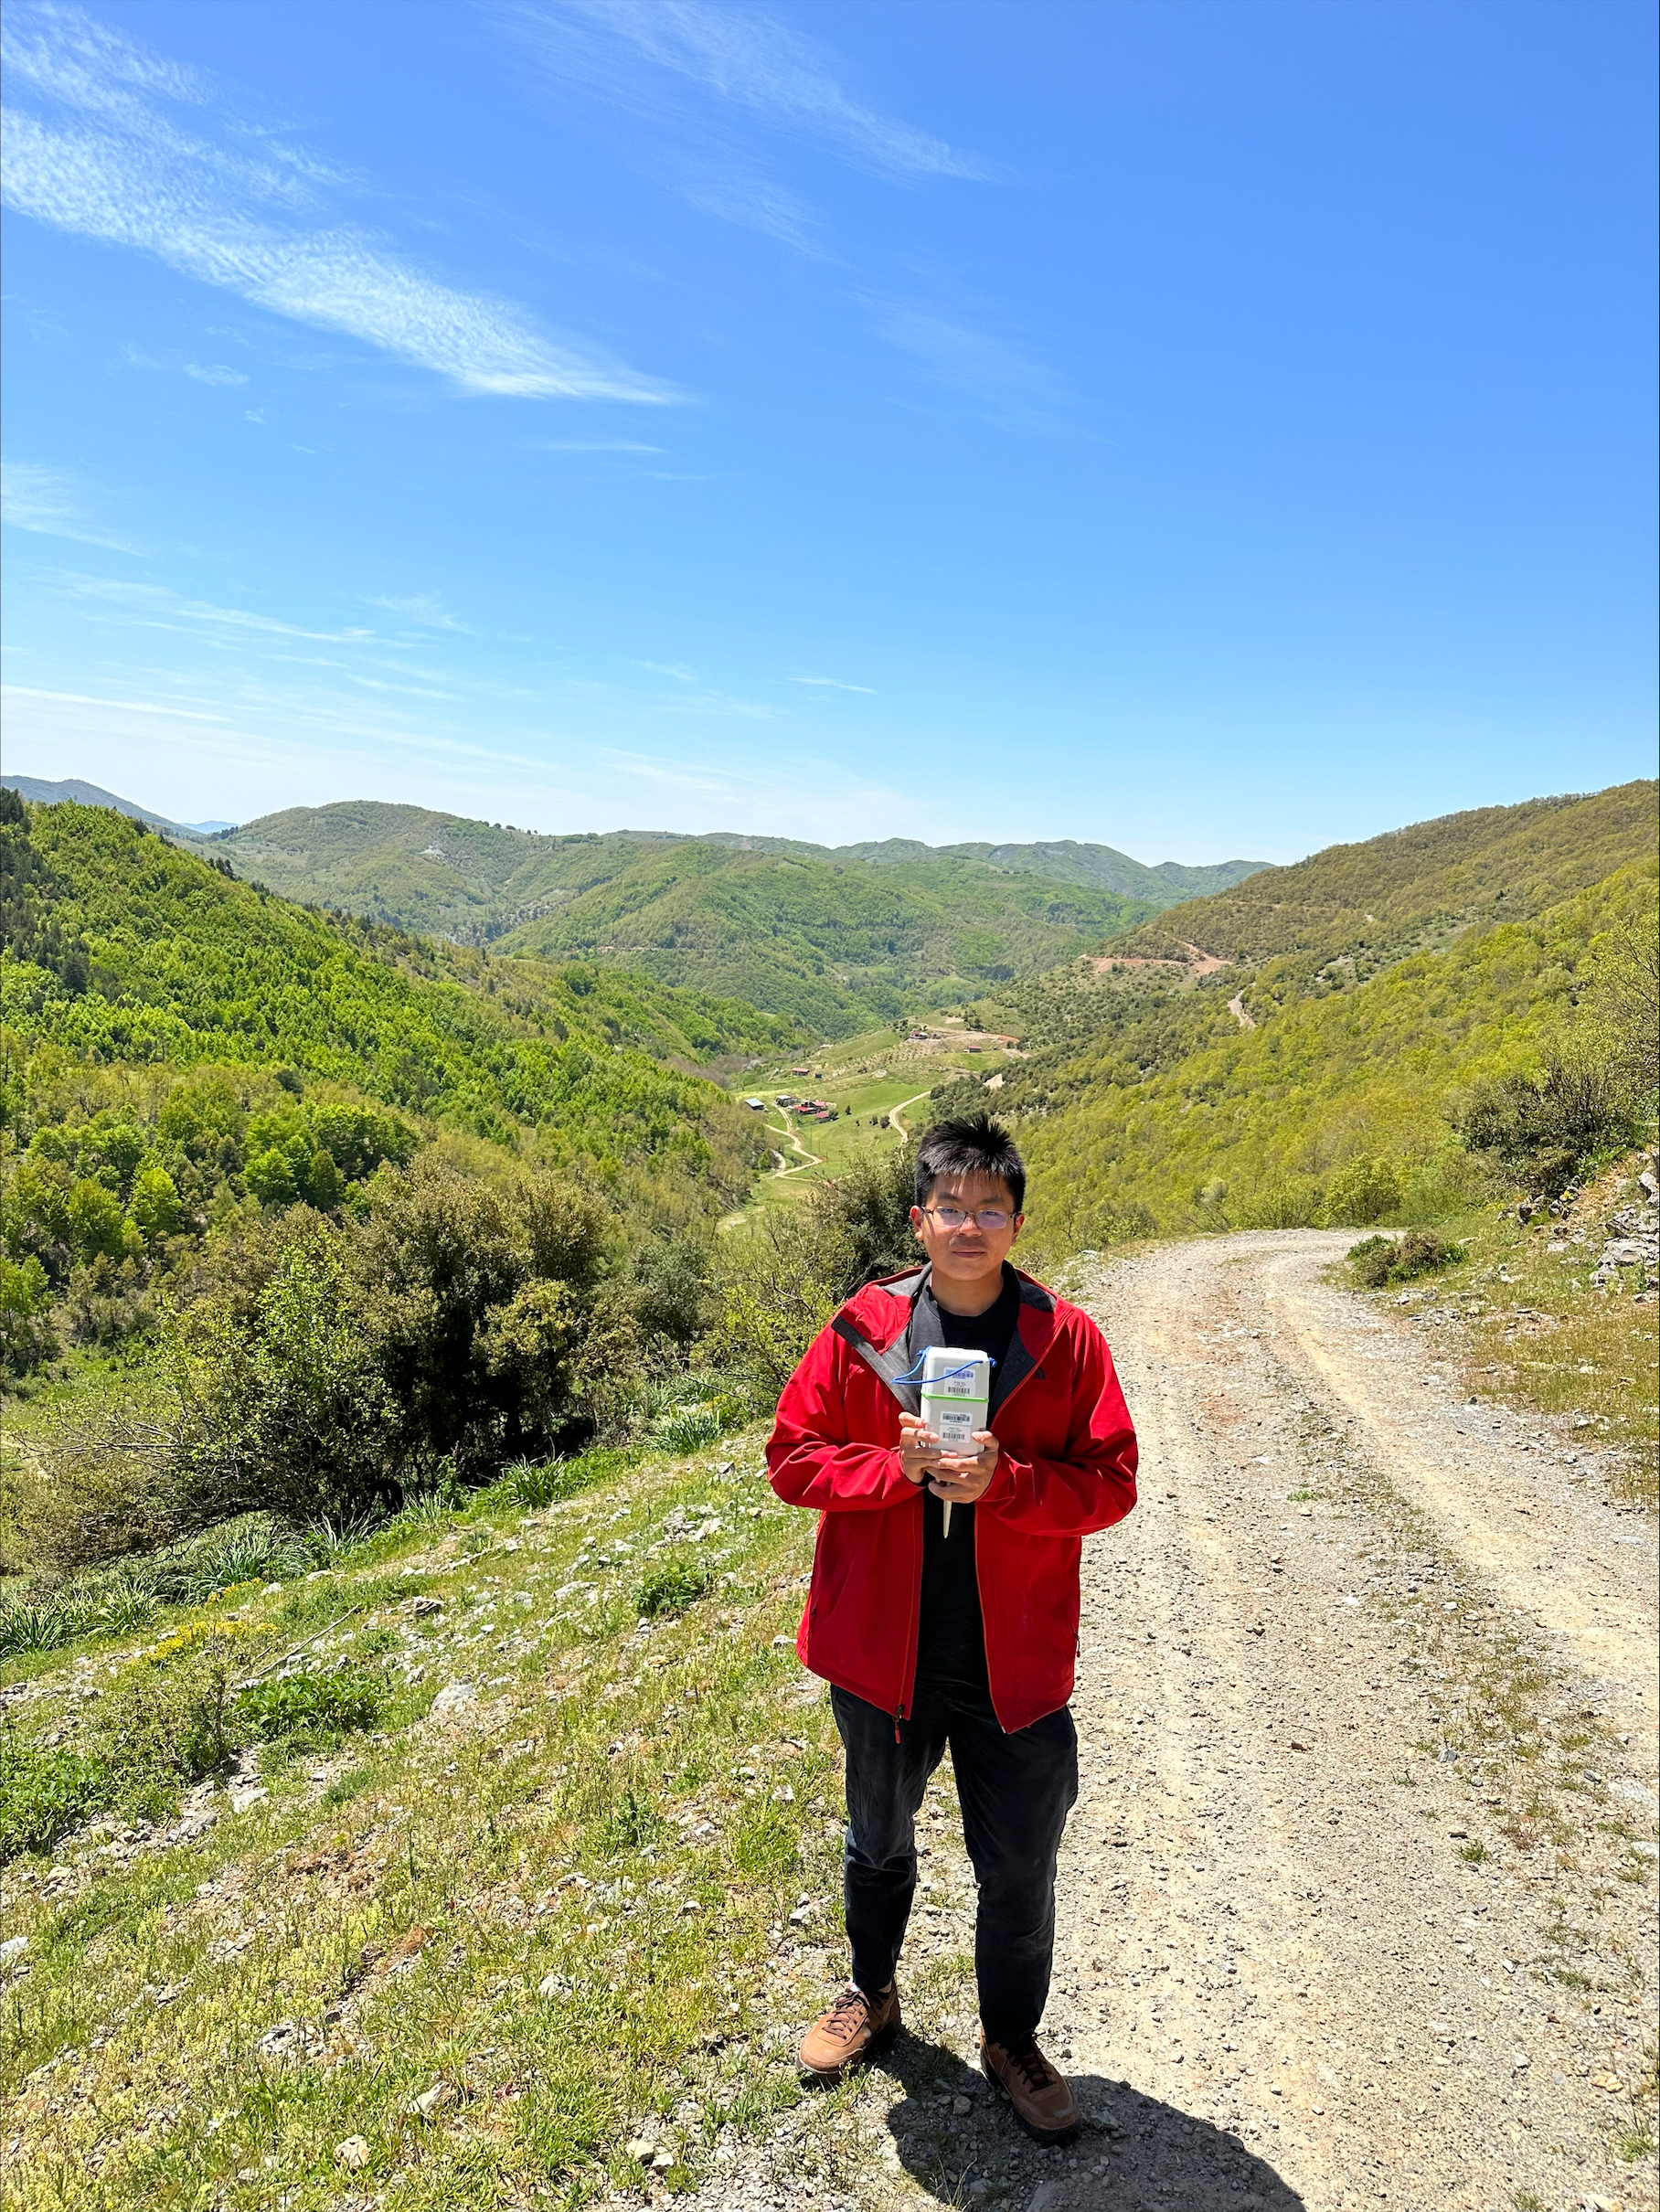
(1211, 429)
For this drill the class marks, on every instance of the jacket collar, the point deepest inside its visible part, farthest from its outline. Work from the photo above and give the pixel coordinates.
(889, 1323)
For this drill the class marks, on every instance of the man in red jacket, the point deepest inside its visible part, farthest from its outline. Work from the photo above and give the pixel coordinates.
(964, 1636)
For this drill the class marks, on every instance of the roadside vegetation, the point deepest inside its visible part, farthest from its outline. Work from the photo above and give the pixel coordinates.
(492, 1860)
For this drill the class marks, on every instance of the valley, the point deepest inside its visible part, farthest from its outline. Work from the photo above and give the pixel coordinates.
(406, 1311)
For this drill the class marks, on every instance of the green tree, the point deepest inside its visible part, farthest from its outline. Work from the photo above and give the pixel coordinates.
(26, 1332)
(1362, 1191)
(269, 1175)
(322, 1184)
(96, 1223)
(155, 1207)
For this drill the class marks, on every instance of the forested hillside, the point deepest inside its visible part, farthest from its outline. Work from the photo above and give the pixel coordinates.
(300, 1212)
(839, 946)
(1364, 1008)
(835, 937)
(123, 948)
(1415, 887)
(1061, 859)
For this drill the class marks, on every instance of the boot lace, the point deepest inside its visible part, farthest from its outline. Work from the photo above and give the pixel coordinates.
(847, 2016)
(1034, 2068)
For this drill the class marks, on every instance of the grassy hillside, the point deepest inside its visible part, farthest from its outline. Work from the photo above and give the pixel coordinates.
(838, 938)
(839, 946)
(1270, 1126)
(1415, 888)
(451, 1953)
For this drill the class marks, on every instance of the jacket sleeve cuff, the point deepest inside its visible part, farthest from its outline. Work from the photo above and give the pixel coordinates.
(1001, 1489)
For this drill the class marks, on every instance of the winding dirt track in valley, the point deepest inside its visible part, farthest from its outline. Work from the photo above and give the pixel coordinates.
(1358, 1902)
(894, 1112)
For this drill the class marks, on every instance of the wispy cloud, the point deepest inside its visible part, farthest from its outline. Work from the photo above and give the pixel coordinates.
(156, 602)
(594, 445)
(81, 698)
(211, 372)
(99, 154)
(830, 682)
(739, 56)
(996, 375)
(53, 504)
(694, 75)
(429, 610)
(681, 674)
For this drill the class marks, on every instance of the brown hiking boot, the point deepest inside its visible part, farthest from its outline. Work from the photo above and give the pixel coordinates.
(854, 2029)
(1043, 2100)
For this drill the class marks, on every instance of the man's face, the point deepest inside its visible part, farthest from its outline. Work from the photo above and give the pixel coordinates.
(966, 1249)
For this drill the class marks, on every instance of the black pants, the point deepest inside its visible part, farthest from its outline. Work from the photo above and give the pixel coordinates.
(1016, 1793)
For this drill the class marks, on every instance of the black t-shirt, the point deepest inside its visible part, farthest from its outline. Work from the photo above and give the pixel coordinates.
(951, 1636)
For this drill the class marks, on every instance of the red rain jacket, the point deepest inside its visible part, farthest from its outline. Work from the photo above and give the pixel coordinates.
(1066, 1468)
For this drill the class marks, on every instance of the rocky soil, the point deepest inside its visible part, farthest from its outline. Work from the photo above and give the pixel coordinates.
(1358, 1898)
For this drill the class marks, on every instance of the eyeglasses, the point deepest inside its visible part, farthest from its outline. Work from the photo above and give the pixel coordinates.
(989, 1218)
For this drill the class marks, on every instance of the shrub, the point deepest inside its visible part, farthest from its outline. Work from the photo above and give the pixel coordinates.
(311, 1707)
(44, 1793)
(125, 1604)
(1543, 1127)
(777, 1283)
(327, 1542)
(1378, 1261)
(673, 1586)
(532, 1483)
(26, 1336)
(1281, 1202)
(253, 1550)
(1362, 1191)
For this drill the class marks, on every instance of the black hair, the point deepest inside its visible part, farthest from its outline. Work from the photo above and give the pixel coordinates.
(974, 1145)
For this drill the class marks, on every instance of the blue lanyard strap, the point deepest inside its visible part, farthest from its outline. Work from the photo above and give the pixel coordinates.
(950, 1373)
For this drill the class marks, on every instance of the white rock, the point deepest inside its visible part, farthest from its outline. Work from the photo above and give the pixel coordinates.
(241, 1800)
(433, 2099)
(281, 2041)
(13, 1948)
(453, 1699)
(353, 2153)
(552, 1985)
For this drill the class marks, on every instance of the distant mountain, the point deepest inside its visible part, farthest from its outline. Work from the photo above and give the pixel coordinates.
(1062, 860)
(832, 937)
(44, 793)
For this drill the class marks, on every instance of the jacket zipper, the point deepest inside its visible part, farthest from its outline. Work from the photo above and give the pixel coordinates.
(1015, 1393)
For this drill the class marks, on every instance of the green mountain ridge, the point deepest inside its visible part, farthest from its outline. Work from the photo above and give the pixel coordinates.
(1383, 978)
(1415, 884)
(1062, 860)
(835, 943)
(121, 947)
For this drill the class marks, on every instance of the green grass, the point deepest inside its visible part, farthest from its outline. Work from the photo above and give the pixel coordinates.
(625, 1816)
(1534, 1333)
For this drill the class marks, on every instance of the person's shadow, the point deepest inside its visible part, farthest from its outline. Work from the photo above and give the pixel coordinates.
(1134, 2155)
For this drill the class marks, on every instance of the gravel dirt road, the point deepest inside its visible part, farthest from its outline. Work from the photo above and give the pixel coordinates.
(1358, 1902)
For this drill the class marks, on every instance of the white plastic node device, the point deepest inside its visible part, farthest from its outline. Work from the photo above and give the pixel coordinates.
(956, 1398)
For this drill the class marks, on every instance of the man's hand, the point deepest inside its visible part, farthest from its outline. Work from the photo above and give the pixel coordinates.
(959, 1480)
(919, 1448)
